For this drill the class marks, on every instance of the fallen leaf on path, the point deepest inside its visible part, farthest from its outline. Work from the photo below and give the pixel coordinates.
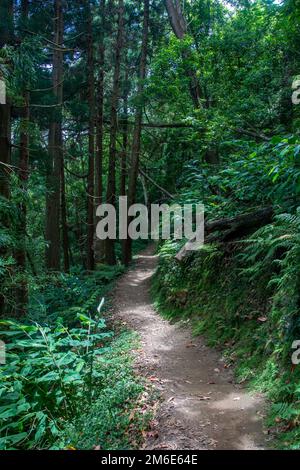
(153, 424)
(212, 442)
(153, 434)
(153, 379)
(191, 345)
(262, 319)
(164, 446)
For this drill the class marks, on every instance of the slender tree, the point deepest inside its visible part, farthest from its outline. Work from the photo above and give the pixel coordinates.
(124, 152)
(5, 154)
(22, 289)
(100, 101)
(91, 146)
(126, 90)
(111, 184)
(53, 199)
(179, 26)
(99, 245)
(136, 144)
(64, 217)
(6, 37)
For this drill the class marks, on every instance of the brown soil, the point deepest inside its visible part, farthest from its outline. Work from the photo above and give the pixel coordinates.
(201, 406)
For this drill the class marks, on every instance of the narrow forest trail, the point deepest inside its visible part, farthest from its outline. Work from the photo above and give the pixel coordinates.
(201, 406)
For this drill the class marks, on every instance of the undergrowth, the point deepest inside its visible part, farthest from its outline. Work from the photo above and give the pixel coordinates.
(68, 381)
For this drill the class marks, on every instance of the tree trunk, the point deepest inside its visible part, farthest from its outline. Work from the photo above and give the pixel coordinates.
(53, 182)
(231, 228)
(90, 264)
(179, 27)
(123, 169)
(5, 150)
(100, 120)
(22, 289)
(123, 172)
(5, 154)
(99, 244)
(110, 256)
(7, 22)
(136, 145)
(64, 218)
(6, 37)
(176, 17)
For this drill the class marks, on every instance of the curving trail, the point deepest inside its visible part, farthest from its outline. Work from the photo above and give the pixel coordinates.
(201, 407)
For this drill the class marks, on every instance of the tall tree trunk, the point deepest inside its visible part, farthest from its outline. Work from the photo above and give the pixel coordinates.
(176, 18)
(64, 218)
(6, 37)
(100, 117)
(110, 256)
(53, 182)
(20, 255)
(22, 289)
(5, 150)
(123, 172)
(99, 244)
(5, 158)
(136, 144)
(125, 127)
(179, 27)
(7, 22)
(90, 262)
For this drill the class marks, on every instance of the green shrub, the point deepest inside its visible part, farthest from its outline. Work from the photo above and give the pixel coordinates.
(67, 380)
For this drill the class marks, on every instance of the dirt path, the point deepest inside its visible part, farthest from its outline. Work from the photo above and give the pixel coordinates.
(201, 406)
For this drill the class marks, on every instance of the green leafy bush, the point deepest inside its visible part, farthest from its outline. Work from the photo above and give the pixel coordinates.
(67, 380)
(49, 373)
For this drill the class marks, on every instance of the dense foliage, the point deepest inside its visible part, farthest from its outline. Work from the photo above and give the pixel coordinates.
(108, 98)
(68, 381)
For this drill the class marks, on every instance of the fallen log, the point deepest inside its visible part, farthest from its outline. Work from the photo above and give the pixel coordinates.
(230, 228)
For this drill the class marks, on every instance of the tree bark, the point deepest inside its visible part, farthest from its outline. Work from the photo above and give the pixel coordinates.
(123, 172)
(22, 289)
(6, 23)
(179, 27)
(136, 145)
(6, 37)
(53, 183)
(5, 156)
(99, 244)
(91, 171)
(124, 156)
(176, 17)
(110, 256)
(64, 218)
(232, 228)
(5, 153)
(100, 117)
